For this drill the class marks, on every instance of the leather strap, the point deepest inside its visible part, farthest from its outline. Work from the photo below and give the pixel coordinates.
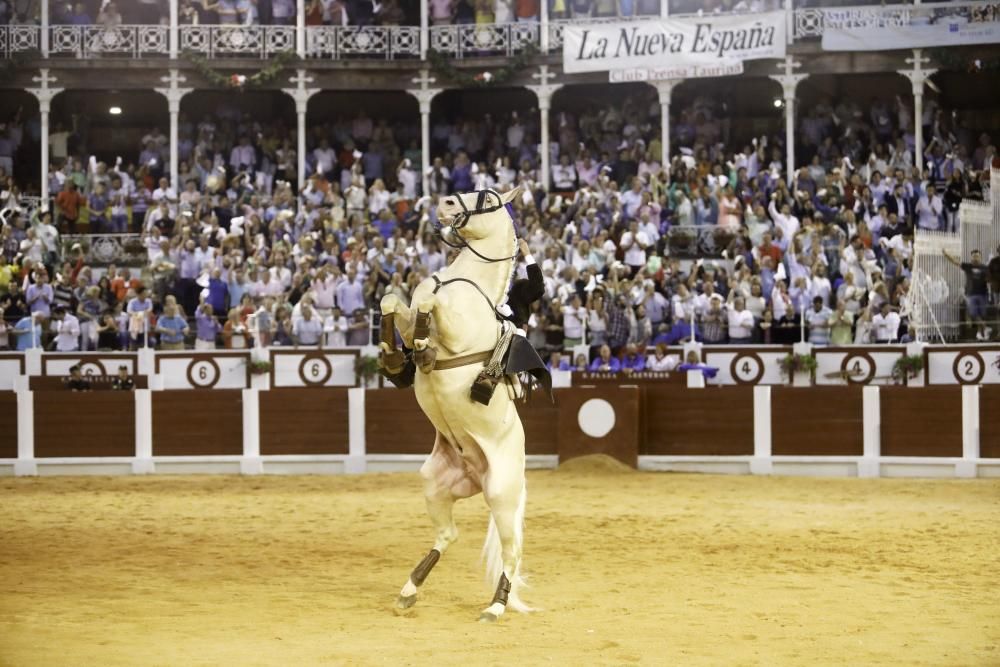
(464, 360)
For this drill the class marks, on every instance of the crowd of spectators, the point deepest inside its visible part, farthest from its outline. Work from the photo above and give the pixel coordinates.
(239, 256)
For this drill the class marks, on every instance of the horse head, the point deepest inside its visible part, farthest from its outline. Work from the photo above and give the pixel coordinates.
(476, 215)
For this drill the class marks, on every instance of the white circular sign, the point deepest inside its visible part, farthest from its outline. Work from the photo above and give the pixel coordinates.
(203, 373)
(596, 417)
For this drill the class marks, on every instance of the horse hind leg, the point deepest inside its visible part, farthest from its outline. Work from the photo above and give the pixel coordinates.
(445, 482)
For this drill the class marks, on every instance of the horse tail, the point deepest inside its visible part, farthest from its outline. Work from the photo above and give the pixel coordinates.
(493, 556)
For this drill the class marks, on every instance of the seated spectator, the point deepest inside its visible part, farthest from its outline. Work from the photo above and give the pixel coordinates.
(660, 361)
(605, 362)
(632, 361)
(77, 381)
(123, 381)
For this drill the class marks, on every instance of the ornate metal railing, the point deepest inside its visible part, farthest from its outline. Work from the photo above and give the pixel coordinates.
(107, 249)
(92, 41)
(15, 39)
(484, 39)
(250, 41)
(345, 42)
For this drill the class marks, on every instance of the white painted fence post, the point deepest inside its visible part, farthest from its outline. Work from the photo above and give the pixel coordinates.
(761, 463)
(143, 462)
(251, 463)
(25, 464)
(970, 432)
(871, 429)
(356, 431)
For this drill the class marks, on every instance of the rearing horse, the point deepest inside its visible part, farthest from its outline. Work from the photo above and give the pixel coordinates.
(453, 329)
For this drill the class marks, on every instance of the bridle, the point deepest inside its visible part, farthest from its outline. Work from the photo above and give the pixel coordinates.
(462, 219)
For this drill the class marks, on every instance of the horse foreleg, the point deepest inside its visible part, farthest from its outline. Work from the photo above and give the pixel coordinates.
(423, 354)
(445, 481)
(390, 357)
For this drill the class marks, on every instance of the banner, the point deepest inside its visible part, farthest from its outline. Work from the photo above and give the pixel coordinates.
(707, 41)
(679, 72)
(946, 31)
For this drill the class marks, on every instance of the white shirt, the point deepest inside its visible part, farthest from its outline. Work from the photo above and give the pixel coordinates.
(667, 363)
(740, 323)
(335, 329)
(67, 334)
(324, 292)
(886, 328)
(929, 212)
(635, 247)
(573, 319)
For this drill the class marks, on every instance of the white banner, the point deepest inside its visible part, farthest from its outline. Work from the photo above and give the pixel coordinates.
(708, 41)
(947, 31)
(679, 72)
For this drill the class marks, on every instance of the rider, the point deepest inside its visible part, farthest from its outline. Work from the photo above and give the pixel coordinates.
(521, 356)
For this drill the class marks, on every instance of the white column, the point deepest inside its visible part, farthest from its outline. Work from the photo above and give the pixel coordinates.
(789, 82)
(301, 95)
(174, 94)
(544, 92)
(424, 29)
(665, 90)
(300, 28)
(43, 37)
(871, 432)
(174, 35)
(251, 463)
(25, 464)
(918, 77)
(761, 463)
(142, 464)
(425, 95)
(790, 22)
(44, 94)
(664, 8)
(356, 447)
(970, 432)
(543, 26)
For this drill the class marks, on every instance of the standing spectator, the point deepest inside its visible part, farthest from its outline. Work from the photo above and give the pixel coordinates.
(976, 291)
(171, 329)
(818, 320)
(841, 322)
(885, 325)
(234, 332)
(140, 310)
(39, 295)
(207, 328)
(68, 204)
(308, 329)
(335, 329)
(27, 332)
(67, 330)
(741, 322)
(358, 331)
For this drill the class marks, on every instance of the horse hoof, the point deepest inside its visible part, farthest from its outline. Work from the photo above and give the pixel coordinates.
(488, 617)
(405, 601)
(425, 359)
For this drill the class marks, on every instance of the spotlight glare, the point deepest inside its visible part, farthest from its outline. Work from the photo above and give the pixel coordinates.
(115, 111)
(778, 103)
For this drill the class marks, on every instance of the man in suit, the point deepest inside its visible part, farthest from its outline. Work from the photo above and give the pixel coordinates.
(521, 356)
(898, 203)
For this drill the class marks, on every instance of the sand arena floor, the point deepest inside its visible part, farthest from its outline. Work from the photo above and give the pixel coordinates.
(631, 569)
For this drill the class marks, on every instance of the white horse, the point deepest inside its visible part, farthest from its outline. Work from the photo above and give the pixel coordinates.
(452, 328)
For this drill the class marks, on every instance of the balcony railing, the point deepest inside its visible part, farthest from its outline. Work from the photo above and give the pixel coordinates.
(403, 42)
(91, 41)
(345, 42)
(253, 41)
(15, 39)
(484, 39)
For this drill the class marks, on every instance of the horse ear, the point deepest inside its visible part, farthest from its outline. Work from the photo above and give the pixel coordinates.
(511, 195)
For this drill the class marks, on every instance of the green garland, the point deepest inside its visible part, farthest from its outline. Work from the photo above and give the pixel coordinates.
(239, 81)
(441, 66)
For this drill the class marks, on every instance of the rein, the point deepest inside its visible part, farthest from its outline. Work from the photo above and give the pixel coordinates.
(462, 219)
